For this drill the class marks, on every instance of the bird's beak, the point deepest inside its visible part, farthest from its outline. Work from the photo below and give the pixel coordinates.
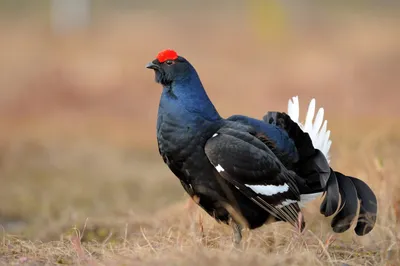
(151, 65)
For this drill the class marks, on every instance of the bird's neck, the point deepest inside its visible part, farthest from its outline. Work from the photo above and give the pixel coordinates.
(187, 100)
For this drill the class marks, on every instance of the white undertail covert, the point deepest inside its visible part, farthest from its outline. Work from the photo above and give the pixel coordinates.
(317, 130)
(319, 135)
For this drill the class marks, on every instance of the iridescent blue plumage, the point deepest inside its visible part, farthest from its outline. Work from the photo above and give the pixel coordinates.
(187, 105)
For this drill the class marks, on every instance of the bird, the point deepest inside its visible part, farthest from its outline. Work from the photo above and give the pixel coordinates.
(246, 172)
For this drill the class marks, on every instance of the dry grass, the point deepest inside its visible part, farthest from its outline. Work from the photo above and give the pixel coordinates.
(101, 213)
(81, 180)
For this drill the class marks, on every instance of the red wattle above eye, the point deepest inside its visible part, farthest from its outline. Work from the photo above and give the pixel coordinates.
(167, 55)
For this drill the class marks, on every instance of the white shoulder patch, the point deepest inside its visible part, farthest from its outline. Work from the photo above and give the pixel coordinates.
(219, 168)
(269, 190)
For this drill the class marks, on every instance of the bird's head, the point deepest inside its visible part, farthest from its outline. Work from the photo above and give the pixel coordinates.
(169, 67)
(181, 84)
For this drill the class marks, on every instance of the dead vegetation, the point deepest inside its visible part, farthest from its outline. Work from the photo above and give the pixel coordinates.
(112, 210)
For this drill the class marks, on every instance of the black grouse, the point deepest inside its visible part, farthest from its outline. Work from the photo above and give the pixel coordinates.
(246, 171)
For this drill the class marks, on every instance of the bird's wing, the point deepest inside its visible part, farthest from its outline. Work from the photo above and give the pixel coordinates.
(245, 160)
(284, 146)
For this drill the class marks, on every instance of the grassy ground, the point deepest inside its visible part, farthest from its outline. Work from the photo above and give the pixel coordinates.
(104, 206)
(81, 180)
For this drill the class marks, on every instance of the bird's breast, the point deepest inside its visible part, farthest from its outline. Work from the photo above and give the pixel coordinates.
(172, 137)
(182, 134)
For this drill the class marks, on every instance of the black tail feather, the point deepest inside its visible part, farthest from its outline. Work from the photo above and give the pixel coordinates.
(348, 206)
(331, 201)
(352, 190)
(368, 207)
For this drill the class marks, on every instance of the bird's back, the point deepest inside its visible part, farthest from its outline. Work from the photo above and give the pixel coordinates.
(279, 136)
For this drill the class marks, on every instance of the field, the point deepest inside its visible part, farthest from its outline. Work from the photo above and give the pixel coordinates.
(81, 179)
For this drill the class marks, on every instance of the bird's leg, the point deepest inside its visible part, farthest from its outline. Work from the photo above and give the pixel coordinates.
(300, 222)
(192, 210)
(237, 233)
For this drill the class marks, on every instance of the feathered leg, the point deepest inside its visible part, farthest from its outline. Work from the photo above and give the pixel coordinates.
(237, 233)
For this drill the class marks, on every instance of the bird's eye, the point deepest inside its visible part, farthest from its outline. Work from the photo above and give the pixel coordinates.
(169, 62)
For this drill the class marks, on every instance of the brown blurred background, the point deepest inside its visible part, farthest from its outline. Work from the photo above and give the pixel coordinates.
(78, 108)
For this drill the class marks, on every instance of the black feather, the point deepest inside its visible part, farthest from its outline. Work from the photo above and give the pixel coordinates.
(330, 203)
(368, 207)
(348, 207)
(301, 139)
